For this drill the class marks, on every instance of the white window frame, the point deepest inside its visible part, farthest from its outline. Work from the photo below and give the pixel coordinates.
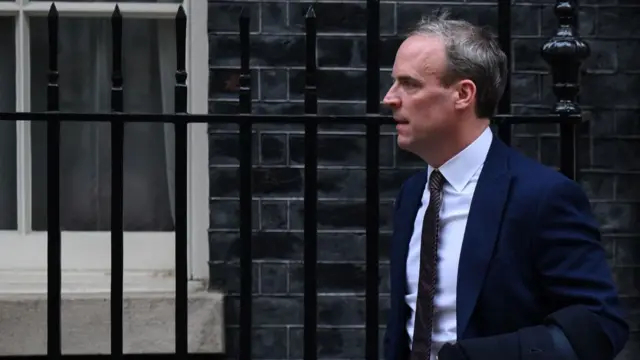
(149, 257)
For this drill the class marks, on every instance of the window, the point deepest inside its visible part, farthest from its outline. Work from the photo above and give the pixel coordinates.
(149, 58)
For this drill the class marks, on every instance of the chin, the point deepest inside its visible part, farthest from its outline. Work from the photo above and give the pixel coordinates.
(404, 143)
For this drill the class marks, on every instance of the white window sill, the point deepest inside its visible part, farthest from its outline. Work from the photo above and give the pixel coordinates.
(23, 282)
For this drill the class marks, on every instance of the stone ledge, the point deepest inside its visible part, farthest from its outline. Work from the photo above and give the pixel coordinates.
(148, 323)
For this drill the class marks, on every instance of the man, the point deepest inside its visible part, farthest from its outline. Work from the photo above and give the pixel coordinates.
(511, 244)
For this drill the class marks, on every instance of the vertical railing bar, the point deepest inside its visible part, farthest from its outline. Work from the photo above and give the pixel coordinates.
(310, 192)
(117, 187)
(372, 181)
(246, 257)
(504, 39)
(181, 173)
(54, 249)
(565, 52)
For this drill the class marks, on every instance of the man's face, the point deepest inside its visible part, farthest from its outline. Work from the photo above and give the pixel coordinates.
(423, 108)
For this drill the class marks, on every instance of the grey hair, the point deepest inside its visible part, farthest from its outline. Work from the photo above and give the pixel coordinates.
(472, 53)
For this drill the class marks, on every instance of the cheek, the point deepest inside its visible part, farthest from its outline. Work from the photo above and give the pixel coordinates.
(442, 100)
(434, 104)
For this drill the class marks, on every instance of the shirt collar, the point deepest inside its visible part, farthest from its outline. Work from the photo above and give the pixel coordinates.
(459, 169)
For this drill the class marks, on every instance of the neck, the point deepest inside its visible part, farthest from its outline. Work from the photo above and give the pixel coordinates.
(442, 151)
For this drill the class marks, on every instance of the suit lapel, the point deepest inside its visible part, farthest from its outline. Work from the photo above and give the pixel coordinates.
(482, 230)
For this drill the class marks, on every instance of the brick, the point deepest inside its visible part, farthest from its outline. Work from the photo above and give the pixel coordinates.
(341, 150)
(274, 215)
(524, 88)
(609, 244)
(225, 16)
(223, 83)
(616, 154)
(627, 187)
(347, 17)
(265, 50)
(337, 343)
(627, 251)
(627, 279)
(615, 22)
(603, 57)
(274, 278)
(274, 84)
(627, 122)
(278, 245)
(269, 343)
(274, 17)
(352, 84)
(606, 90)
(278, 182)
(632, 305)
(598, 186)
(617, 217)
(601, 122)
(226, 276)
(225, 214)
(410, 13)
(342, 52)
(527, 20)
(272, 310)
(341, 215)
(607, 153)
(527, 55)
(332, 278)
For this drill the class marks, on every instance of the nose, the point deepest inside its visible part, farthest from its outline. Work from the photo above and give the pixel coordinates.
(391, 100)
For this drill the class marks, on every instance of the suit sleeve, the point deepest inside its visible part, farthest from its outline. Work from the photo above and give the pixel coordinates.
(571, 262)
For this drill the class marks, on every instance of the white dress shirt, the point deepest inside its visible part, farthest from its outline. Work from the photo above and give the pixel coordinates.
(461, 174)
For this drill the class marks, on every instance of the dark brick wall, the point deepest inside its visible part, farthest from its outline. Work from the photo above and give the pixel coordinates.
(609, 161)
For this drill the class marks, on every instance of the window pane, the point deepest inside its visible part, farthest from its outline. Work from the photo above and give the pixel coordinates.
(8, 168)
(85, 155)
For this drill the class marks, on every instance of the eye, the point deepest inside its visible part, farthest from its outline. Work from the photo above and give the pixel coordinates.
(410, 84)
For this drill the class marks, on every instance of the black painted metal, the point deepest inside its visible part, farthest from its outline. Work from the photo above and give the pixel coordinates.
(54, 250)
(504, 38)
(181, 170)
(117, 188)
(310, 192)
(564, 52)
(372, 182)
(246, 266)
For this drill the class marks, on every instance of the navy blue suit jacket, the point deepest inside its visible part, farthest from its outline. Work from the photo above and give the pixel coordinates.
(531, 248)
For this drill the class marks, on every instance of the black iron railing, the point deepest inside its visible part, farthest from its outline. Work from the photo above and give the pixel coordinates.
(564, 53)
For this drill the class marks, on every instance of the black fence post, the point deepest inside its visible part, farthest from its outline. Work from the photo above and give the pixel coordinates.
(310, 192)
(372, 180)
(564, 53)
(54, 250)
(504, 39)
(246, 256)
(181, 173)
(117, 187)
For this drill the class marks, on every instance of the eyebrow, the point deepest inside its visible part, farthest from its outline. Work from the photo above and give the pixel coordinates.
(405, 78)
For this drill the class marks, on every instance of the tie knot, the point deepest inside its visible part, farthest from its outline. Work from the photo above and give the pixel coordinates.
(436, 181)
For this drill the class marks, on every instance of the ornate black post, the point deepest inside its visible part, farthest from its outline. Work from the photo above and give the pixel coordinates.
(565, 53)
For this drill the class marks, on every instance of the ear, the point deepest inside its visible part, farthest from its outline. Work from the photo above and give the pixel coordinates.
(465, 94)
